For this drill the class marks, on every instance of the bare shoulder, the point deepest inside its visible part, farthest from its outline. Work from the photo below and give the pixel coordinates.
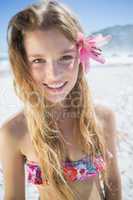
(11, 134)
(107, 117)
(16, 125)
(104, 112)
(13, 130)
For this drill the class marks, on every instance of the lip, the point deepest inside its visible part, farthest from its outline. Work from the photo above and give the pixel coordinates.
(54, 82)
(55, 90)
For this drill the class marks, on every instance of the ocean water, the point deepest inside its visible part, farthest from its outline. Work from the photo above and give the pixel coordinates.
(111, 85)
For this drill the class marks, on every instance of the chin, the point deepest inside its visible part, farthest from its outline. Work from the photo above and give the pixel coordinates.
(54, 99)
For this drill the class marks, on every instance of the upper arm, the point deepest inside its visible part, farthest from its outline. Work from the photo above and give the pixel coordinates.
(114, 191)
(111, 144)
(108, 119)
(13, 166)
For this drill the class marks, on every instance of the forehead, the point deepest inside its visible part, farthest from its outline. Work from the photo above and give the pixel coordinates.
(46, 41)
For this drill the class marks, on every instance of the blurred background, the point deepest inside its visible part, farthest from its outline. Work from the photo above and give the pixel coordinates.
(111, 83)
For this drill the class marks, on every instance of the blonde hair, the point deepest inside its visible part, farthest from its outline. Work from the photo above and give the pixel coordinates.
(44, 131)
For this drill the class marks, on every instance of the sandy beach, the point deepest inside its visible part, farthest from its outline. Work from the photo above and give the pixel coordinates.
(111, 85)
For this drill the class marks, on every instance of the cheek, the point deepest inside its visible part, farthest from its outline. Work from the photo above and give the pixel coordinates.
(73, 66)
(36, 75)
(73, 72)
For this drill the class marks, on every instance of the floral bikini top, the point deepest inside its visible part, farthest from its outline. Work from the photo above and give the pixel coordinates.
(73, 170)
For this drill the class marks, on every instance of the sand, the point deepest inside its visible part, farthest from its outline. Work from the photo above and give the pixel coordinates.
(111, 85)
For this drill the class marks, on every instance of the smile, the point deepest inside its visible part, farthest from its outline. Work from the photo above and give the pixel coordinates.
(55, 89)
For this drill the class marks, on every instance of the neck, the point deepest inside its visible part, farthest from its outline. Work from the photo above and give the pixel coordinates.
(66, 120)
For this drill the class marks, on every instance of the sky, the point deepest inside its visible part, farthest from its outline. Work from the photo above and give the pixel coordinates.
(93, 14)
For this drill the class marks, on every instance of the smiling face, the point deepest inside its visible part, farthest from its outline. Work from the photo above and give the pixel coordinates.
(53, 62)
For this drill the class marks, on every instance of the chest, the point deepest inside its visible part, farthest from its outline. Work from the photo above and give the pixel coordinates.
(73, 149)
(83, 188)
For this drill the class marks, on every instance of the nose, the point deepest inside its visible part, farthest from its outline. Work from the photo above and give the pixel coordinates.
(53, 71)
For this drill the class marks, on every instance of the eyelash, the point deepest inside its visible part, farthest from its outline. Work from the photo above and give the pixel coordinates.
(40, 60)
(68, 57)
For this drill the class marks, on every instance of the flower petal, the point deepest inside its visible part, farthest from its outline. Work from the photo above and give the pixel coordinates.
(89, 48)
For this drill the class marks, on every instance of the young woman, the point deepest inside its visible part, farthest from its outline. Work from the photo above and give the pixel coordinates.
(67, 143)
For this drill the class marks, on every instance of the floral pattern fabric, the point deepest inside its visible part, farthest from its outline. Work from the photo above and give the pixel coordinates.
(73, 170)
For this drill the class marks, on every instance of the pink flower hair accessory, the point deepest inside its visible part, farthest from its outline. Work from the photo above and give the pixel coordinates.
(89, 47)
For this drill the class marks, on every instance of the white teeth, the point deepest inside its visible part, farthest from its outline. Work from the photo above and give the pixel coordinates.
(56, 86)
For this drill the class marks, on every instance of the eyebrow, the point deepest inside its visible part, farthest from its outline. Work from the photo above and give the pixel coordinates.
(68, 50)
(62, 52)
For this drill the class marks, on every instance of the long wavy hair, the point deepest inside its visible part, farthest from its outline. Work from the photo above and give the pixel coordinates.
(45, 133)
